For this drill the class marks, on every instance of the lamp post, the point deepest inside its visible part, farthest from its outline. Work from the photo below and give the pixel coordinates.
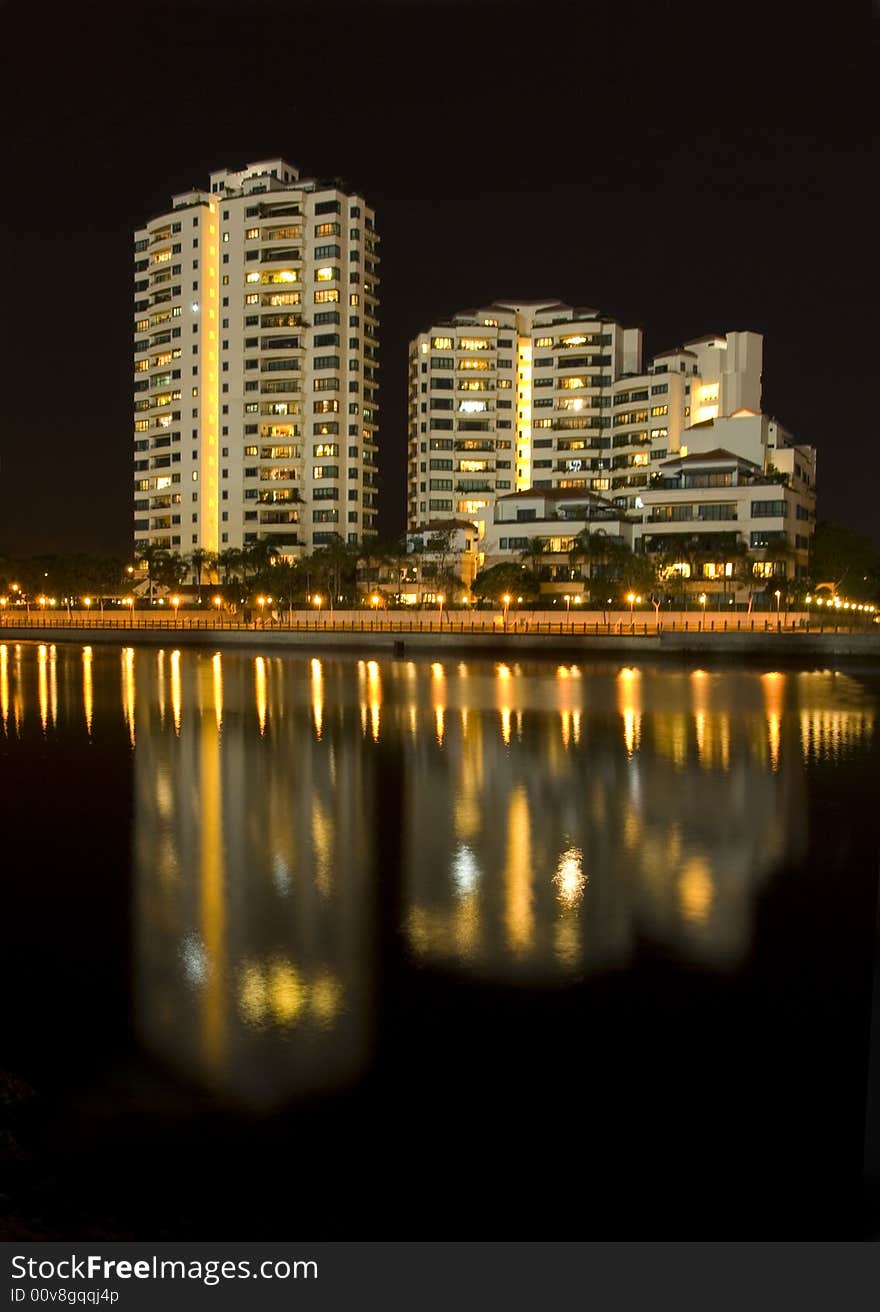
(631, 598)
(175, 602)
(87, 601)
(317, 599)
(218, 602)
(703, 600)
(778, 595)
(440, 600)
(261, 602)
(506, 602)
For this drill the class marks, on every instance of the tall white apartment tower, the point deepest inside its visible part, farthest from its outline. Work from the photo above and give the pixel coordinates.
(492, 390)
(256, 365)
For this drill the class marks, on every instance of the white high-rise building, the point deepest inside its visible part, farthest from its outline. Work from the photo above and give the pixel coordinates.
(256, 365)
(540, 396)
(484, 387)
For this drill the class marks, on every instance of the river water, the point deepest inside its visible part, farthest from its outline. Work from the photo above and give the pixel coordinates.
(317, 948)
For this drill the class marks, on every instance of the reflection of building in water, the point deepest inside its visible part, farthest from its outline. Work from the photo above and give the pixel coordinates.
(253, 859)
(562, 816)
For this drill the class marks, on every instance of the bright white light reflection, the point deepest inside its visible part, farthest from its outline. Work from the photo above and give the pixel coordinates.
(570, 879)
(194, 960)
(465, 871)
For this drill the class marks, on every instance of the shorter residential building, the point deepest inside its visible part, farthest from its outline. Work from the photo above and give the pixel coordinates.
(718, 524)
(562, 535)
(442, 558)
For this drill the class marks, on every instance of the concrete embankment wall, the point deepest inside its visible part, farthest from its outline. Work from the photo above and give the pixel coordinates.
(793, 646)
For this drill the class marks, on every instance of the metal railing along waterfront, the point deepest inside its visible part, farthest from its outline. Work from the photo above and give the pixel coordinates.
(455, 622)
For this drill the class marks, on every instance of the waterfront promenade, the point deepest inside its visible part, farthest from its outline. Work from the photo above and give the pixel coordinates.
(795, 634)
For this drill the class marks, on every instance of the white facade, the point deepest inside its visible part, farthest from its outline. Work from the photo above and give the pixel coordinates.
(726, 524)
(550, 520)
(256, 365)
(479, 387)
(541, 394)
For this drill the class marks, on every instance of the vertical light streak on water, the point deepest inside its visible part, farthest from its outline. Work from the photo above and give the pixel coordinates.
(260, 692)
(4, 684)
(175, 691)
(518, 873)
(88, 689)
(317, 697)
(42, 686)
(53, 685)
(217, 672)
(160, 684)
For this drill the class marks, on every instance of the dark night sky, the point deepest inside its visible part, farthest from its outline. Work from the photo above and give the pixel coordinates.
(686, 173)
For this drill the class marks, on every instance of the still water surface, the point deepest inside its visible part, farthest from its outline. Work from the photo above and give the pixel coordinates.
(293, 930)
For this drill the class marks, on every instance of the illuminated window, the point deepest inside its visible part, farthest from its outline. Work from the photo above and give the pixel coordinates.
(657, 410)
(327, 229)
(326, 296)
(473, 364)
(573, 383)
(472, 385)
(163, 482)
(250, 450)
(576, 339)
(327, 273)
(544, 341)
(252, 298)
(142, 325)
(141, 425)
(473, 466)
(324, 449)
(441, 343)
(354, 299)
(473, 344)
(280, 298)
(252, 233)
(141, 365)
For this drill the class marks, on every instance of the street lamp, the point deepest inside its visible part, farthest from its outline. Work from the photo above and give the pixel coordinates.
(218, 602)
(778, 595)
(703, 600)
(175, 602)
(440, 600)
(567, 600)
(631, 598)
(317, 599)
(129, 601)
(506, 601)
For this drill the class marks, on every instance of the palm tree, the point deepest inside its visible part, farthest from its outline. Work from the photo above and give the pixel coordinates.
(258, 556)
(152, 558)
(230, 561)
(536, 548)
(200, 559)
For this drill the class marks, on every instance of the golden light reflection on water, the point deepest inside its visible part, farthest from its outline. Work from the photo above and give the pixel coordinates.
(676, 854)
(4, 684)
(260, 692)
(253, 858)
(773, 685)
(318, 696)
(552, 819)
(128, 690)
(88, 689)
(175, 691)
(43, 686)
